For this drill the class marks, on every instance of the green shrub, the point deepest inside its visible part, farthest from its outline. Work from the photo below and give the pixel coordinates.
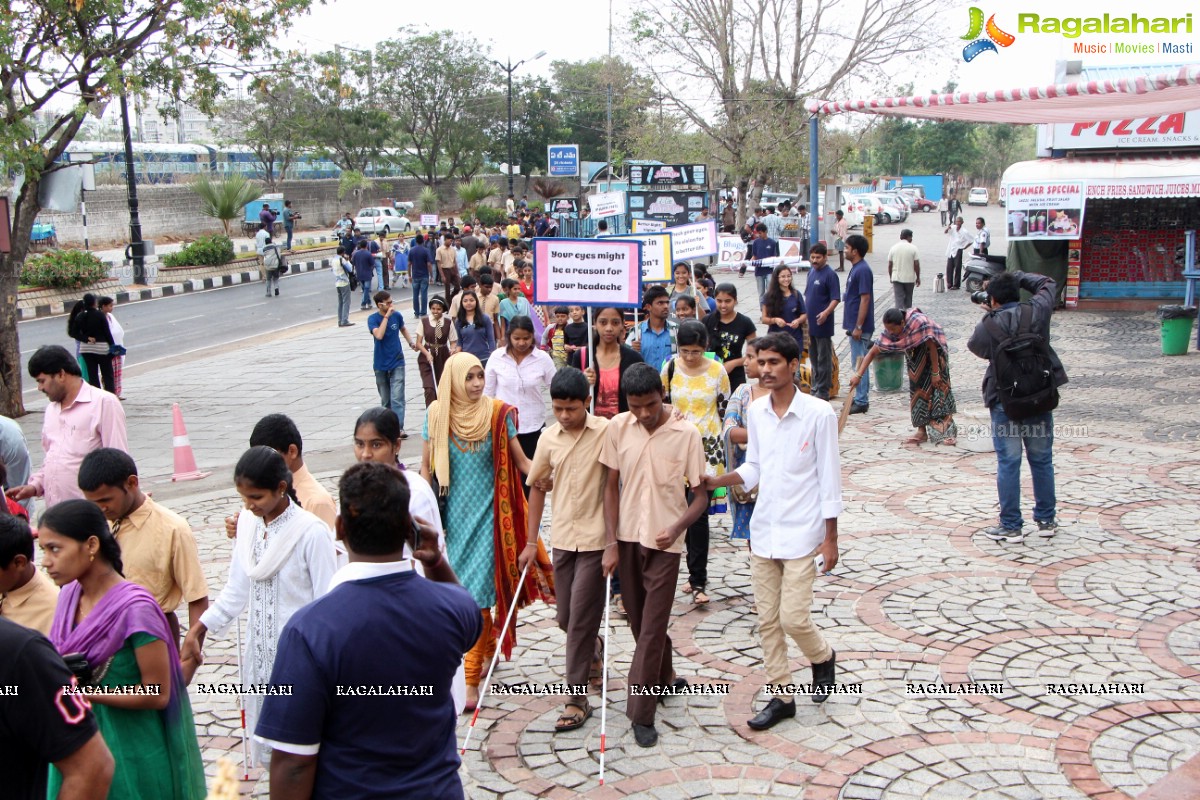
(490, 215)
(63, 269)
(207, 251)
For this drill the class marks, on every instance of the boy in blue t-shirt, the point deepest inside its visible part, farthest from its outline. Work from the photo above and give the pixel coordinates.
(387, 326)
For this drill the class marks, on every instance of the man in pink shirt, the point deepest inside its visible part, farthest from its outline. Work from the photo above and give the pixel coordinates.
(79, 419)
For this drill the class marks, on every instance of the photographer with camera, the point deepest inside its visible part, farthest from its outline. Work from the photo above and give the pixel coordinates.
(289, 222)
(1020, 388)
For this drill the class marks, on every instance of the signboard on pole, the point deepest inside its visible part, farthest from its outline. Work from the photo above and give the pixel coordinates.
(563, 205)
(607, 204)
(648, 225)
(430, 220)
(656, 255)
(731, 252)
(562, 160)
(697, 240)
(673, 208)
(667, 174)
(1045, 210)
(587, 272)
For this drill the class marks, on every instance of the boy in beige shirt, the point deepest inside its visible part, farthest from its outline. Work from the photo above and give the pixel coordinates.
(27, 596)
(652, 459)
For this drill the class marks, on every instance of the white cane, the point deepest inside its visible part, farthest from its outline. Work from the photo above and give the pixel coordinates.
(591, 338)
(242, 703)
(512, 610)
(604, 675)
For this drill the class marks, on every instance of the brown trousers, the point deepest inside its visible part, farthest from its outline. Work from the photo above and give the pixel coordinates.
(579, 587)
(648, 590)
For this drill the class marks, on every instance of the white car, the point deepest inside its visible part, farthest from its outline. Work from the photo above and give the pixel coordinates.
(895, 207)
(978, 196)
(853, 210)
(381, 219)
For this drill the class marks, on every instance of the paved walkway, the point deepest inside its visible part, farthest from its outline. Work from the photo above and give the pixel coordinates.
(918, 597)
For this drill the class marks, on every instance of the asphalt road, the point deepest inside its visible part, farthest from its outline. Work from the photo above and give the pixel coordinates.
(170, 327)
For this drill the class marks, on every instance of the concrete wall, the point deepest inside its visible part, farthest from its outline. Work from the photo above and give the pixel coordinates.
(170, 212)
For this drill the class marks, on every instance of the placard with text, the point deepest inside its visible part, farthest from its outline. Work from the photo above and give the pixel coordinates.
(587, 272)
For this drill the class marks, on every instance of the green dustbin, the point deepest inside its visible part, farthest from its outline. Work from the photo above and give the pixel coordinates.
(889, 372)
(1176, 328)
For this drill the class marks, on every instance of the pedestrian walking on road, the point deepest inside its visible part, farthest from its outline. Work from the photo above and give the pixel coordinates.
(930, 398)
(117, 350)
(822, 295)
(519, 374)
(387, 326)
(95, 344)
(341, 283)
(437, 341)
(904, 270)
(419, 266)
(858, 314)
(364, 271)
(792, 442)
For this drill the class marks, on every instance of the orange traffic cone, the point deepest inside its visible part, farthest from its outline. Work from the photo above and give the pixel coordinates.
(185, 462)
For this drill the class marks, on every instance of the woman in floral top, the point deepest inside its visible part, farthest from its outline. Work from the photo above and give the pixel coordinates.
(698, 387)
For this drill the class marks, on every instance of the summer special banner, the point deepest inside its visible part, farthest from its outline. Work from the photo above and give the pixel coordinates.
(1052, 210)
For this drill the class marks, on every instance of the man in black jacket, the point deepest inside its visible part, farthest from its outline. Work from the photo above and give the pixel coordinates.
(1036, 433)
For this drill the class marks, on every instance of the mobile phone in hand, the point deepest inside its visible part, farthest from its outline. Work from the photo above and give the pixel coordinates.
(819, 563)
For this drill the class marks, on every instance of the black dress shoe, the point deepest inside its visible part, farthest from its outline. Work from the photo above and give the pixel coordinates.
(676, 685)
(645, 735)
(776, 711)
(855, 408)
(823, 678)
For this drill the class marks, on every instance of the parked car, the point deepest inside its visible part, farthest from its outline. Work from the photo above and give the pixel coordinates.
(891, 209)
(381, 219)
(917, 201)
(899, 200)
(872, 206)
(853, 210)
(978, 196)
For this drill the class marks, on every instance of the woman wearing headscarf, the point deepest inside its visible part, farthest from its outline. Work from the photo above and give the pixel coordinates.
(931, 400)
(116, 641)
(474, 460)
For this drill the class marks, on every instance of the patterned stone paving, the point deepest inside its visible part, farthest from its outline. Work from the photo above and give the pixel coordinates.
(919, 597)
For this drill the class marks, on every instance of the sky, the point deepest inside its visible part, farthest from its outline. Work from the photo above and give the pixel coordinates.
(579, 31)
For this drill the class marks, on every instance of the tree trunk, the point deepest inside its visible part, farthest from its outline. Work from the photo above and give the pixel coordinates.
(743, 205)
(25, 211)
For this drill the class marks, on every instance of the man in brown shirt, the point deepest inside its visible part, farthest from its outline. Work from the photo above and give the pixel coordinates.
(27, 596)
(157, 545)
(569, 453)
(652, 459)
(447, 262)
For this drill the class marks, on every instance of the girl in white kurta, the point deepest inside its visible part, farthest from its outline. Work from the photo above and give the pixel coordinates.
(283, 559)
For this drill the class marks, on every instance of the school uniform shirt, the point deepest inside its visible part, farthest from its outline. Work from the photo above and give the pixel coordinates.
(375, 656)
(794, 462)
(577, 521)
(160, 555)
(489, 304)
(389, 351)
(521, 385)
(33, 604)
(447, 259)
(821, 289)
(39, 725)
(656, 470)
(314, 497)
(727, 339)
(860, 281)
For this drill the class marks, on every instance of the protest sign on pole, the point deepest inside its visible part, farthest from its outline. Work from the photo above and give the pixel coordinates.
(607, 204)
(430, 220)
(587, 272)
(656, 255)
(731, 252)
(697, 240)
(648, 225)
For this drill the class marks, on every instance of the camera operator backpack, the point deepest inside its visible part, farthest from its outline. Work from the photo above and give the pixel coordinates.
(1023, 367)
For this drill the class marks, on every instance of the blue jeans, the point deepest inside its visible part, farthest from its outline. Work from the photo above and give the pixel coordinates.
(343, 312)
(762, 281)
(390, 384)
(1036, 434)
(379, 272)
(420, 290)
(366, 287)
(289, 229)
(859, 349)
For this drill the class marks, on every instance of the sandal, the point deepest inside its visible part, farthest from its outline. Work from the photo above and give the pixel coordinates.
(569, 720)
(620, 605)
(596, 674)
(950, 441)
(700, 598)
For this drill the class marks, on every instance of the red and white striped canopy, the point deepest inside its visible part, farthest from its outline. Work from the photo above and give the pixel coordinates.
(1086, 101)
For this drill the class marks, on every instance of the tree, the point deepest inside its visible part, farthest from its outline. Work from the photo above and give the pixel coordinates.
(547, 188)
(435, 81)
(60, 59)
(581, 94)
(537, 123)
(225, 199)
(272, 120)
(473, 192)
(428, 200)
(342, 122)
(740, 70)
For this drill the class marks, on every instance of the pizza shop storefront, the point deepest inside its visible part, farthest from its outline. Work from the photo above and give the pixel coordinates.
(1118, 222)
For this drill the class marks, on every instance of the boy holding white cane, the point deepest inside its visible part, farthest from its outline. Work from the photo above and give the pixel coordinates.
(570, 451)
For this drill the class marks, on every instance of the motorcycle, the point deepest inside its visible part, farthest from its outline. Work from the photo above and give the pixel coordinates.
(982, 268)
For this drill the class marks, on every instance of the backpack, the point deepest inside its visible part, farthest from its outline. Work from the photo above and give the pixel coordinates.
(348, 268)
(272, 258)
(1023, 367)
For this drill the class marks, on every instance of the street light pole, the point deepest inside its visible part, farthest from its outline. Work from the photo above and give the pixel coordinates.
(510, 68)
(136, 250)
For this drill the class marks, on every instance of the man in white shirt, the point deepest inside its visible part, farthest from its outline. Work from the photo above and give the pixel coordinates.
(792, 457)
(959, 240)
(904, 270)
